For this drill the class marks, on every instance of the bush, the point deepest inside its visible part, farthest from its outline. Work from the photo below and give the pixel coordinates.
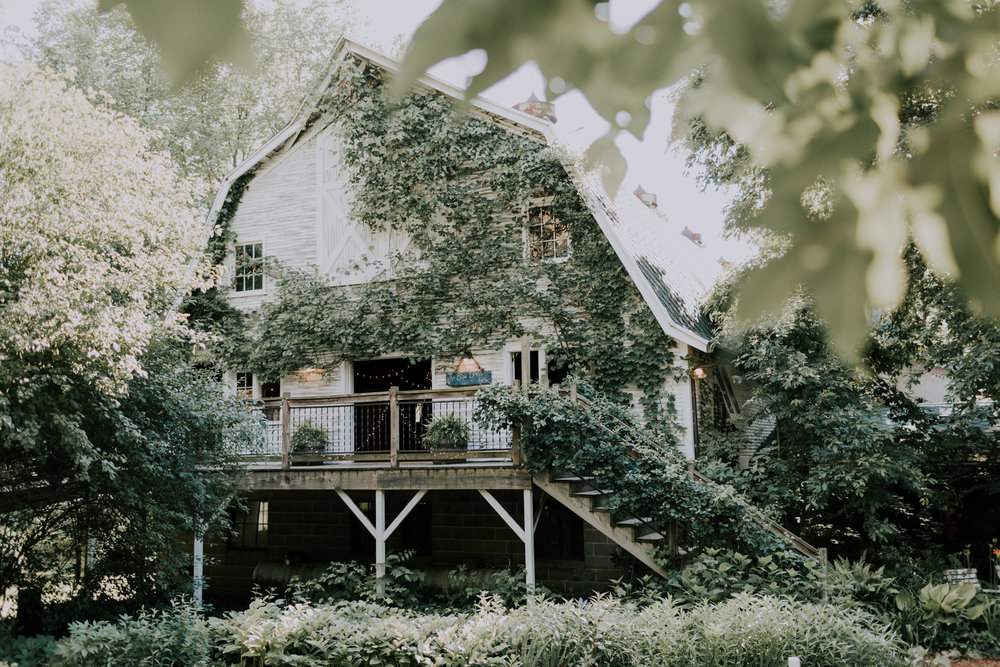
(20, 651)
(178, 635)
(744, 630)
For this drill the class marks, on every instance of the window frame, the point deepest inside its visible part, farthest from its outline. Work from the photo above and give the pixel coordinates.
(256, 267)
(539, 203)
(255, 516)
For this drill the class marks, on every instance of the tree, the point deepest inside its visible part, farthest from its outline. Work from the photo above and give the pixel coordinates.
(104, 429)
(221, 112)
(854, 460)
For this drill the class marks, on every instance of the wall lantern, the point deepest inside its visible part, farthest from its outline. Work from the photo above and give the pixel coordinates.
(468, 372)
(699, 372)
(538, 108)
(647, 198)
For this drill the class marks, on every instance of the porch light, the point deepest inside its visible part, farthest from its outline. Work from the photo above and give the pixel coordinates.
(538, 108)
(647, 198)
(468, 372)
(699, 372)
(468, 364)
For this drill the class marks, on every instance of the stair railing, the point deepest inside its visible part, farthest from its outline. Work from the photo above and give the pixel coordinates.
(759, 517)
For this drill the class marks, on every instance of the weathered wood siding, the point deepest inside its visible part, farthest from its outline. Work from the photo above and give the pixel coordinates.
(279, 209)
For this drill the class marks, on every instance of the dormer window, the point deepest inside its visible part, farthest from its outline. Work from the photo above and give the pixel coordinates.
(548, 237)
(249, 267)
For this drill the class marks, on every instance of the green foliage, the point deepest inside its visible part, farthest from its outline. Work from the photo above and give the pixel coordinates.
(307, 436)
(744, 630)
(853, 113)
(354, 581)
(716, 575)
(20, 651)
(854, 457)
(177, 635)
(218, 115)
(449, 431)
(105, 429)
(459, 186)
(942, 616)
(653, 482)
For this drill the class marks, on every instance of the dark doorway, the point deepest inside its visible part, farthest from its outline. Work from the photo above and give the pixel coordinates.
(371, 420)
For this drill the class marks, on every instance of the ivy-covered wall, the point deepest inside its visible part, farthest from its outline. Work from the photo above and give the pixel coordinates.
(458, 184)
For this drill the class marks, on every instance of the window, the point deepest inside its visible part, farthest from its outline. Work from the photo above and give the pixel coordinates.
(270, 390)
(556, 364)
(533, 376)
(250, 526)
(244, 386)
(249, 267)
(548, 237)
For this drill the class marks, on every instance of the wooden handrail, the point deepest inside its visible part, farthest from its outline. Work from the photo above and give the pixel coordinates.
(372, 397)
(764, 521)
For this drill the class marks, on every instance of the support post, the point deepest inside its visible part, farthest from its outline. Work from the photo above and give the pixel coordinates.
(572, 393)
(515, 446)
(198, 569)
(394, 426)
(529, 546)
(286, 432)
(380, 542)
(525, 364)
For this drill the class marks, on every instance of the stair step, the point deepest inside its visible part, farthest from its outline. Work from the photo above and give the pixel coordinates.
(633, 521)
(592, 493)
(567, 478)
(649, 537)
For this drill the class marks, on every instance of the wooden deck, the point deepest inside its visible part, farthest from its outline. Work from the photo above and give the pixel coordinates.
(499, 475)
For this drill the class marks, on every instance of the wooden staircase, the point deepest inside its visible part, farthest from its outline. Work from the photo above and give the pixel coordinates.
(636, 535)
(639, 536)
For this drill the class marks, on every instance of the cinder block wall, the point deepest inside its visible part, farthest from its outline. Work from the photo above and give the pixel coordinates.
(448, 528)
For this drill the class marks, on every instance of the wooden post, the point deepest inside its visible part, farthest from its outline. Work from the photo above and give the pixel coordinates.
(572, 393)
(515, 446)
(529, 546)
(286, 432)
(525, 364)
(380, 542)
(198, 569)
(394, 426)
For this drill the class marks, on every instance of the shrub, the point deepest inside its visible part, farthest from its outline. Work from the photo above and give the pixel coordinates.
(20, 651)
(178, 635)
(744, 630)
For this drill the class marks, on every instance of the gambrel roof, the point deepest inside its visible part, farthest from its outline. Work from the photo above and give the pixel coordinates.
(651, 250)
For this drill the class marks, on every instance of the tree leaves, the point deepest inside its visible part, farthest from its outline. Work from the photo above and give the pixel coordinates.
(190, 33)
(814, 91)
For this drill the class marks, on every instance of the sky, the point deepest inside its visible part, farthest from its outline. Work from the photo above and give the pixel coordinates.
(652, 163)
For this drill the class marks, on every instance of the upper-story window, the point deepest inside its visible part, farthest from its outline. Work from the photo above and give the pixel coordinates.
(249, 267)
(548, 237)
(244, 386)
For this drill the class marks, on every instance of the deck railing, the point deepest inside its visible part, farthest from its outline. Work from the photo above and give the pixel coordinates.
(375, 427)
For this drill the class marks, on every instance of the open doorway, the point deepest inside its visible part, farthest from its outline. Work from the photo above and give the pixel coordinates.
(371, 420)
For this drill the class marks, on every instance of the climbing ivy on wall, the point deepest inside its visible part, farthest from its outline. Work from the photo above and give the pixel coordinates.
(458, 184)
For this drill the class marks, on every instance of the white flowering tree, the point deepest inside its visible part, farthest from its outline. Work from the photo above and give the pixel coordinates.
(103, 427)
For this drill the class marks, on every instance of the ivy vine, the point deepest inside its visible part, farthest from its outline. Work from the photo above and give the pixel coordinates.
(458, 184)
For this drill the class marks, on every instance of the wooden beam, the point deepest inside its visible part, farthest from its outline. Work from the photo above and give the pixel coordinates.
(365, 521)
(529, 547)
(495, 504)
(380, 543)
(394, 426)
(404, 478)
(406, 510)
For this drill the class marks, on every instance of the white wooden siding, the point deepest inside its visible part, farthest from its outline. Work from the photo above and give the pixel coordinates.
(347, 251)
(279, 208)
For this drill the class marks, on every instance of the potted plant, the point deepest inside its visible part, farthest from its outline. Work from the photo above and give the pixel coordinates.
(309, 439)
(447, 432)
